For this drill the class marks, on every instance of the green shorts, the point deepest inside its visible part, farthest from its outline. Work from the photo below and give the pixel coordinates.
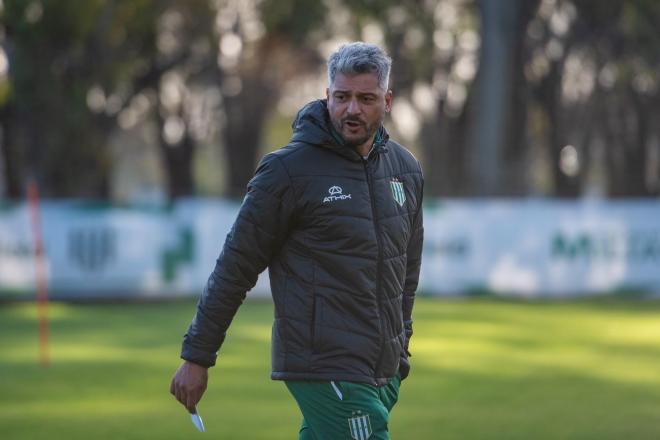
(344, 410)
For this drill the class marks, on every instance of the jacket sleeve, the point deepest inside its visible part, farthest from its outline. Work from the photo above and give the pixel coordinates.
(256, 236)
(414, 262)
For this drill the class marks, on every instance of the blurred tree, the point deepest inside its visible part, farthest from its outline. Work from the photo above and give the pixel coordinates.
(65, 58)
(594, 76)
(629, 109)
(497, 144)
(261, 46)
(457, 44)
(109, 64)
(183, 66)
(493, 93)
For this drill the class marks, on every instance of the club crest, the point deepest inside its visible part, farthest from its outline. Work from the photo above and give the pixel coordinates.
(360, 426)
(398, 192)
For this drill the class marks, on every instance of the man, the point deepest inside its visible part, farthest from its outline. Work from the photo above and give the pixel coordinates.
(336, 216)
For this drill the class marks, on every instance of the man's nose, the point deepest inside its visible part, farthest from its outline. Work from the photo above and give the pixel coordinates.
(353, 107)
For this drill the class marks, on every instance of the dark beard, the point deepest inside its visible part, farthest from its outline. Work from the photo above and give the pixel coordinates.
(369, 132)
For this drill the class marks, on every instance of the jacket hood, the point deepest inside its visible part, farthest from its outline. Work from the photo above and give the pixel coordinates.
(312, 126)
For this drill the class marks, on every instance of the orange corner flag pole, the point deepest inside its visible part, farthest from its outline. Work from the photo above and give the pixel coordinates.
(40, 266)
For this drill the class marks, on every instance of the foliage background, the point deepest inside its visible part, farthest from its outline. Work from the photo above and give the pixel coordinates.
(149, 100)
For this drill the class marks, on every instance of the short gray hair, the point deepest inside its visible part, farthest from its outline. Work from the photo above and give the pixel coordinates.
(360, 57)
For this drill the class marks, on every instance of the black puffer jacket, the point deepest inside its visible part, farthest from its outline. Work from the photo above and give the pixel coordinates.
(342, 238)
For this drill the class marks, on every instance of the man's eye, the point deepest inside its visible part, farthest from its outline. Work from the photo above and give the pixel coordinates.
(340, 97)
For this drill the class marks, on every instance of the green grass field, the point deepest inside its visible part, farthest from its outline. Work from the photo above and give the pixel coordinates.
(482, 369)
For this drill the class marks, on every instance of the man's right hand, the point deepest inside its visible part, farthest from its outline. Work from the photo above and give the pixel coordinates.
(189, 383)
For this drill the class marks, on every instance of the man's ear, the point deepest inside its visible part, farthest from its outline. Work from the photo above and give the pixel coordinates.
(389, 98)
(327, 94)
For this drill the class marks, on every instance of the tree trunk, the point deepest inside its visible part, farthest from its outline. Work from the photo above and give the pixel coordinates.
(246, 116)
(549, 97)
(444, 151)
(177, 160)
(636, 151)
(493, 88)
(13, 160)
(515, 151)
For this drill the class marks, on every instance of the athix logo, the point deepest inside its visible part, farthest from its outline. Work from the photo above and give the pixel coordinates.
(336, 194)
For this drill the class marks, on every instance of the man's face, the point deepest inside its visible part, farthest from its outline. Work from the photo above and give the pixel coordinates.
(357, 107)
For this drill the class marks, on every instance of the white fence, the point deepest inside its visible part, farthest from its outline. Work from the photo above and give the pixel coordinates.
(542, 247)
(521, 247)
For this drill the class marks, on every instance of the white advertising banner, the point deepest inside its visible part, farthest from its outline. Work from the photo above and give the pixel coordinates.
(96, 251)
(541, 247)
(508, 247)
(17, 266)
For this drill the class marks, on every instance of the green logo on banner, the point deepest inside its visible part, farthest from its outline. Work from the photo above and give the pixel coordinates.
(172, 258)
(638, 246)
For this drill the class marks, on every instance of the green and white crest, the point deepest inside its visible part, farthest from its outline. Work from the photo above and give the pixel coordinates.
(360, 426)
(398, 191)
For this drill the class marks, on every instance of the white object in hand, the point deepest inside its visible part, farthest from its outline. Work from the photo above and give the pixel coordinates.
(197, 420)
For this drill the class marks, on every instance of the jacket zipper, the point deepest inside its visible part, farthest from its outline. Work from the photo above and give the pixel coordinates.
(365, 163)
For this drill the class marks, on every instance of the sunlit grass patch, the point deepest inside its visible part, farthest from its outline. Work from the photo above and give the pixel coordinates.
(482, 369)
